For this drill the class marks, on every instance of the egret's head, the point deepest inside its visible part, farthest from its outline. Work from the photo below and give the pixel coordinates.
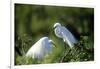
(56, 25)
(52, 42)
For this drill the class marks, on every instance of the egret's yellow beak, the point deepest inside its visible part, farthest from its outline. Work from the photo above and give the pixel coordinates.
(53, 28)
(54, 45)
(51, 42)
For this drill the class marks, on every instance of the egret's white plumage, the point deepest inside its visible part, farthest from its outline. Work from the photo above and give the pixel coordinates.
(65, 34)
(41, 48)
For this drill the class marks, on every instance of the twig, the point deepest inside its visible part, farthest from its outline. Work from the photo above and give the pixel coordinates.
(66, 52)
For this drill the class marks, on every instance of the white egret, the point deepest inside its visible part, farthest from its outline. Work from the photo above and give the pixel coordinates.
(41, 48)
(65, 34)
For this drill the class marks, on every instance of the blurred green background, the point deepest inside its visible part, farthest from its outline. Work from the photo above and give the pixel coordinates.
(35, 21)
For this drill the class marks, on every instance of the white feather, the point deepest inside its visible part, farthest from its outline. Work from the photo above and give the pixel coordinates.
(40, 49)
(65, 34)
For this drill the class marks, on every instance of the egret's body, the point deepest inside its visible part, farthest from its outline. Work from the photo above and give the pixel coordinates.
(40, 49)
(65, 34)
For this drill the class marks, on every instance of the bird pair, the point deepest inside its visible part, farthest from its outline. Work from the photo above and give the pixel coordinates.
(44, 46)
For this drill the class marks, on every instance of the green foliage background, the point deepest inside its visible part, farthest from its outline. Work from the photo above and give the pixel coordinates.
(35, 21)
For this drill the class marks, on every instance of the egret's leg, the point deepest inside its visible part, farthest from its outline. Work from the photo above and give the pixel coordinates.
(65, 46)
(67, 50)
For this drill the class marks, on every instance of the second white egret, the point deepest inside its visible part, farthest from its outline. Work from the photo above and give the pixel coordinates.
(65, 34)
(41, 48)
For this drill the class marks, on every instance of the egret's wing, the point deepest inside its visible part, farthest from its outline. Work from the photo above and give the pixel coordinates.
(67, 34)
(34, 50)
(66, 40)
